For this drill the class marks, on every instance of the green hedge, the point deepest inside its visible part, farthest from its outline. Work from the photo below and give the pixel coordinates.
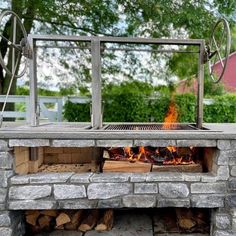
(131, 107)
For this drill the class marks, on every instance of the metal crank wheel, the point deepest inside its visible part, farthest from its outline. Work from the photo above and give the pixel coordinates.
(15, 42)
(218, 50)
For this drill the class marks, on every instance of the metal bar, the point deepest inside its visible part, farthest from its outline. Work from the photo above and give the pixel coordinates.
(96, 84)
(13, 41)
(56, 46)
(199, 118)
(149, 50)
(118, 39)
(34, 119)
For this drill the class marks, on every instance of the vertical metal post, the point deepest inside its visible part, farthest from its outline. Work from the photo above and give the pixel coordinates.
(14, 42)
(96, 84)
(200, 95)
(34, 119)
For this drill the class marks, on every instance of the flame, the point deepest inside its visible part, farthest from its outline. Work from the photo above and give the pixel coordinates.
(171, 117)
(141, 152)
(172, 148)
(128, 153)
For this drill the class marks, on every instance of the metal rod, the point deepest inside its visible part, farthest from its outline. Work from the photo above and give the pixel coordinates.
(96, 85)
(70, 47)
(13, 41)
(118, 39)
(150, 50)
(34, 119)
(199, 118)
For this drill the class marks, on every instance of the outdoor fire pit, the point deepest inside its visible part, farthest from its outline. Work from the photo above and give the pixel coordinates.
(50, 173)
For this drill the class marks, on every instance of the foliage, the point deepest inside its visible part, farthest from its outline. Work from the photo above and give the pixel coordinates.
(76, 112)
(137, 102)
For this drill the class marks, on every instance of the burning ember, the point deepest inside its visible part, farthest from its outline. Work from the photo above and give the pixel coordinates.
(171, 117)
(160, 156)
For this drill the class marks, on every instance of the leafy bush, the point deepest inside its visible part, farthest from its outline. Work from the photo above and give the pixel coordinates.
(133, 102)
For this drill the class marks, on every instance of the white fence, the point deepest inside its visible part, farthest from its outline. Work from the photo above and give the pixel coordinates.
(50, 107)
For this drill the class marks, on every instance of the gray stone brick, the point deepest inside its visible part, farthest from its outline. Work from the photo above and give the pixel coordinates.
(192, 177)
(50, 177)
(81, 204)
(6, 160)
(139, 201)
(234, 224)
(3, 145)
(159, 177)
(155, 143)
(108, 190)
(142, 188)
(29, 142)
(231, 200)
(29, 192)
(4, 176)
(224, 144)
(20, 179)
(173, 203)
(207, 201)
(224, 233)
(64, 191)
(209, 178)
(73, 143)
(222, 221)
(233, 171)
(223, 157)
(196, 143)
(232, 184)
(173, 190)
(32, 204)
(3, 194)
(232, 160)
(208, 188)
(3, 206)
(114, 143)
(138, 177)
(222, 173)
(110, 177)
(4, 231)
(81, 178)
(5, 219)
(110, 203)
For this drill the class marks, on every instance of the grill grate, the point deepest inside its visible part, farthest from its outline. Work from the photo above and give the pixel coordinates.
(148, 127)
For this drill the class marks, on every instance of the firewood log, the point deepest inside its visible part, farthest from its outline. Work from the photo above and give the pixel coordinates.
(75, 220)
(106, 222)
(90, 221)
(185, 218)
(52, 213)
(44, 221)
(62, 219)
(31, 217)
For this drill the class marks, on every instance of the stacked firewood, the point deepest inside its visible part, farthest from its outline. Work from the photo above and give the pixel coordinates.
(81, 220)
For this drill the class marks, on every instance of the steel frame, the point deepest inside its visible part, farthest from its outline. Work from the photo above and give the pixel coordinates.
(96, 117)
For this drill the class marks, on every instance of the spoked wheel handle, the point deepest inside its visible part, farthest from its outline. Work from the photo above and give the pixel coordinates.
(17, 48)
(218, 49)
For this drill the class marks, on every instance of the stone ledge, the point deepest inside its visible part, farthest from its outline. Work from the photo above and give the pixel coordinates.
(29, 142)
(139, 201)
(110, 178)
(81, 204)
(163, 177)
(73, 143)
(196, 143)
(207, 201)
(173, 190)
(114, 143)
(155, 143)
(173, 202)
(32, 204)
(81, 178)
